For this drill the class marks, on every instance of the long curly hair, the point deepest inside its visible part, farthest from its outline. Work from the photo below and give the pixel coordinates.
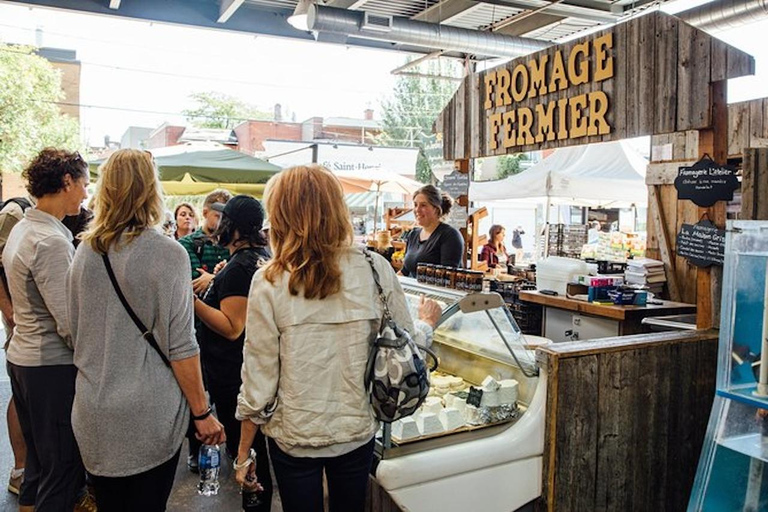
(128, 199)
(309, 229)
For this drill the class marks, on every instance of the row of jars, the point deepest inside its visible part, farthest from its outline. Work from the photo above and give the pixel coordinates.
(450, 277)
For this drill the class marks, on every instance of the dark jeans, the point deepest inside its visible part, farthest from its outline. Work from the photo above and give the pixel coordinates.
(224, 397)
(54, 477)
(300, 479)
(144, 492)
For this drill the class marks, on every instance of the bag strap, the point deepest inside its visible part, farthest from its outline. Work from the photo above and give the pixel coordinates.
(145, 333)
(382, 296)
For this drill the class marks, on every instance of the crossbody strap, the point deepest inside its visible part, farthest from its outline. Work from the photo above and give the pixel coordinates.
(145, 333)
(382, 295)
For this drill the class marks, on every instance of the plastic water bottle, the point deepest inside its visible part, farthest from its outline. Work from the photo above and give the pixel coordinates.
(210, 465)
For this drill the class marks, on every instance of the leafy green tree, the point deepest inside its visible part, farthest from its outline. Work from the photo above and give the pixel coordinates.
(217, 110)
(408, 115)
(509, 165)
(30, 120)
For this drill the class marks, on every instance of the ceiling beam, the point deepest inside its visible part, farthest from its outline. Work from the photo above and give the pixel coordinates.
(530, 24)
(564, 9)
(114, 4)
(227, 8)
(444, 10)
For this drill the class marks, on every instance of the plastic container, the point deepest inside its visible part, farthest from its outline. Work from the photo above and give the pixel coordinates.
(554, 273)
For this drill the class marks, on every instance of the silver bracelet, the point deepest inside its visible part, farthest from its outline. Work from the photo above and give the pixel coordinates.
(247, 462)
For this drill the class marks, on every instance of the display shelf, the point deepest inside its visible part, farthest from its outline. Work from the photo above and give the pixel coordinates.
(745, 395)
(754, 445)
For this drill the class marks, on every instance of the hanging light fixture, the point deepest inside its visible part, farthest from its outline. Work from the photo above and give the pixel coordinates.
(298, 19)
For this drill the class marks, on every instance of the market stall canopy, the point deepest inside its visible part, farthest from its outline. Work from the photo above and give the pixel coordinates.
(355, 182)
(609, 175)
(198, 168)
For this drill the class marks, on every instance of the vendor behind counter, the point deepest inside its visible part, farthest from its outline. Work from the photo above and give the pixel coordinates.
(434, 241)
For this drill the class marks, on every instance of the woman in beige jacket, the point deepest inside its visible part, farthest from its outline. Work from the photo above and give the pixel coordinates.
(313, 313)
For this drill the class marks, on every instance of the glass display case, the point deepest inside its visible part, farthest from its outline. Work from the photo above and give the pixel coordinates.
(732, 473)
(484, 419)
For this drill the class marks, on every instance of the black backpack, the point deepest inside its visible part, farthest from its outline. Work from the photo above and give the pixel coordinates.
(23, 203)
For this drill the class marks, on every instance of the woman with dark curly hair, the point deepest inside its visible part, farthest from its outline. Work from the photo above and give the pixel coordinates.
(40, 359)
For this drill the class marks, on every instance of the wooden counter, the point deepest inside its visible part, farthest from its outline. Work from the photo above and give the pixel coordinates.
(629, 318)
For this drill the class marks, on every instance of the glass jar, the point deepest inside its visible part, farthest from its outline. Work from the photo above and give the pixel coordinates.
(421, 272)
(439, 275)
(475, 282)
(460, 279)
(429, 272)
(449, 281)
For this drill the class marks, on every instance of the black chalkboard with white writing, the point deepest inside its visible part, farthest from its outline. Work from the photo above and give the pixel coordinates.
(703, 244)
(456, 184)
(706, 182)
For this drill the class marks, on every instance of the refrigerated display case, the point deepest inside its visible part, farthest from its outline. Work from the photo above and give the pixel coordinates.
(493, 461)
(732, 473)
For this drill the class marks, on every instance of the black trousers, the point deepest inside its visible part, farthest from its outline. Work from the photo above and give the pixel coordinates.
(300, 479)
(54, 477)
(224, 397)
(145, 492)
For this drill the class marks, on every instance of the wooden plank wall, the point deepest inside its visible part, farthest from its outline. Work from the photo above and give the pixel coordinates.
(747, 126)
(754, 185)
(662, 72)
(627, 423)
(668, 152)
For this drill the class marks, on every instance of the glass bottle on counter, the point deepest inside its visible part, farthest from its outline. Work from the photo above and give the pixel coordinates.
(461, 279)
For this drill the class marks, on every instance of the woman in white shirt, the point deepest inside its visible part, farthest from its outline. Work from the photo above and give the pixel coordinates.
(313, 312)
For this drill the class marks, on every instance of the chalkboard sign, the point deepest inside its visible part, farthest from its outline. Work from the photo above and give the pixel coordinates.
(458, 217)
(702, 244)
(706, 182)
(456, 184)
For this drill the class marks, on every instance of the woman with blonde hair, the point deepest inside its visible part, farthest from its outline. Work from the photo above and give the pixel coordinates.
(135, 385)
(313, 313)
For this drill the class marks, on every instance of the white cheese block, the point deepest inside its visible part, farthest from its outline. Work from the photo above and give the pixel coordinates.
(440, 381)
(490, 398)
(406, 428)
(455, 383)
(451, 418)
(432, 404)
(490, 384)
(471, 415)
(508, 391)
(429, 423)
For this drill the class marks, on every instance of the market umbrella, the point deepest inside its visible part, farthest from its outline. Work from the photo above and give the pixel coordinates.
(198, 168)
(376, 181)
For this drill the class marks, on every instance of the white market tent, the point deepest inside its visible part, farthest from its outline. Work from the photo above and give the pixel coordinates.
(607, 175)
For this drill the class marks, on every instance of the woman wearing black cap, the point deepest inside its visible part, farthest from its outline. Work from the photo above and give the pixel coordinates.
(222, 311)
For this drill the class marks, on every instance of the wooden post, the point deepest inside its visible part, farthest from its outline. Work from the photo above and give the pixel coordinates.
(464, 167)
(715, 143)
(754, 183)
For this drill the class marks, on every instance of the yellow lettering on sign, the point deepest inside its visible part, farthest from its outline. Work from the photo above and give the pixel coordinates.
(546, 122)
(558, 73)
(581, 75)
(562, 131)
(502, 88)
(495, 120)
(490, 81)
(578, 121)
(508, 133)
(519, 82)
(603, 57)
(538, 79)
(524, 123)
(598, 107)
